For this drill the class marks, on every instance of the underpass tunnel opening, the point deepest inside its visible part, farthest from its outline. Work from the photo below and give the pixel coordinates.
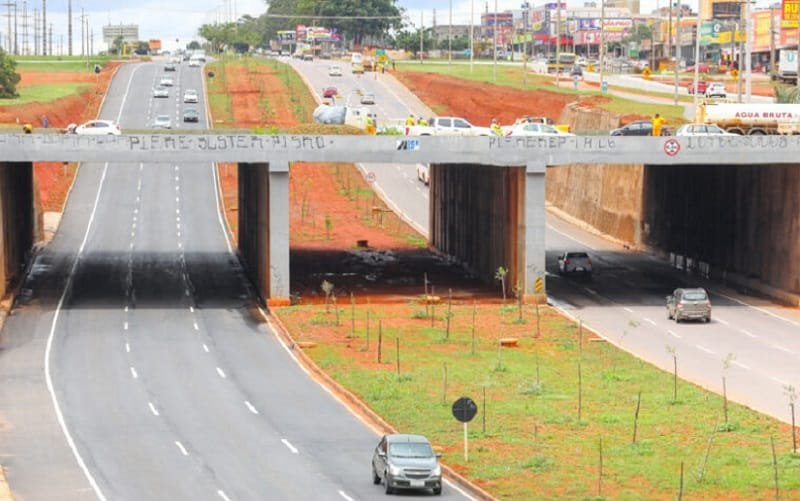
(341, 230)
(737, 222)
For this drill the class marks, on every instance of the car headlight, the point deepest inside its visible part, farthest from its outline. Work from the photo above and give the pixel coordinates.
(394, 470)
(437, 472)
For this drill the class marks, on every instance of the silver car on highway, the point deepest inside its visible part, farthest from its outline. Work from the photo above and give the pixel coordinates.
(689, 304)
(406, 462)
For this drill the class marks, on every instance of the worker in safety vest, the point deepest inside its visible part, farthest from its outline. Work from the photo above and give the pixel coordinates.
(370, 125)
(658, 123)
(410, 120)
(422, 122)
(498, 131)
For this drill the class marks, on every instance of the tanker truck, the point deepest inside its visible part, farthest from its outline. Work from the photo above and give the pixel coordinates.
(752, 118)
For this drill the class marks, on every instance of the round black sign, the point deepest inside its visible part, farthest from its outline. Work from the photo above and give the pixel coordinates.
(464, 409)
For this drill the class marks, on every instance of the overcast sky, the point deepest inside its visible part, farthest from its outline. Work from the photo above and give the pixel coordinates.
(171, 20)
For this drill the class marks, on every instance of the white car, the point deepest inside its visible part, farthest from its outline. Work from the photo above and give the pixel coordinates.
(190, 96)
(716, 89)
(574, 262)
(97, 128)
(162, 122)
(160, 91)
(702, 130)
(368, 98)
(194, 63)
(423, 173)
(534, 129)
(334, 71)
(166, 82)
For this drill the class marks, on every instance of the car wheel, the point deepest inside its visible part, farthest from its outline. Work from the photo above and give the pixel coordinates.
(669, 315)
(437, 490)
(386, 484)
(708, 319)
(375, 478)
(677, 319)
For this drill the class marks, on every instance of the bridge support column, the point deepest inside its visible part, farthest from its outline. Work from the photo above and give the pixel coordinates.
(535, 223)
(16, 220)
(264, 228)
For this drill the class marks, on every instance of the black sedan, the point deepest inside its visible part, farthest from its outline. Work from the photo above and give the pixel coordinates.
(191, 115)
(639, 128)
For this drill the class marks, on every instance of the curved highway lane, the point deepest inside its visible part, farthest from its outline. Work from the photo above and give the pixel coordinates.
(162, 382)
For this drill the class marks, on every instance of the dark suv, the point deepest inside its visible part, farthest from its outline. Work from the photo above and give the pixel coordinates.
(639, 128)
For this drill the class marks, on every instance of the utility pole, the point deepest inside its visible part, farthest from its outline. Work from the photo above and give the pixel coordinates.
(771, 43)
(44, 27)
(421, 35)
(50, 40)
(25, 46)
(36, 31)
(450, 35)
(9, 38)
(16, 30)
(558, 43)
(494, 49)
(602, 52)
(797, 54)
(83, 38)
(748, 62)
(696, 64)
(677, 49)
(69, 27)
(669, 32)
(471, 35)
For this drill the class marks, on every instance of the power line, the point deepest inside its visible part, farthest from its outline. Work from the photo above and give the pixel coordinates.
(312, 16)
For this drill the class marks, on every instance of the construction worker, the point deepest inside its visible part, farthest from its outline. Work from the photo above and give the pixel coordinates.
(410, 120)
(27, 128)
(370, 125)
(658, 123)
(498, 131)
(422, 122)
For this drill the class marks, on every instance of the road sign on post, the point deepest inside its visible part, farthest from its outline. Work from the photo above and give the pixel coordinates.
(464, 409)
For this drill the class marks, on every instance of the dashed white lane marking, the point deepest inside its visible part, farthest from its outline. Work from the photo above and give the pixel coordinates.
(221, 494)
(289, 446)
(344, 495)
(134, 374)
(179, 234)
(127, 348)
(780, 381)
(205, 347)
(250, 406)
(130, 246)
(673, 334)
(747, 333)
(153, 409)
(723, 322)
(591, 291)
(126, 309)
(196, 327)
(628, 309)
(783, 349)
(138, 199)
(739, 364)
(182, 448)
(180, 245)
(191, 309)
(133, 234)
(125, 326)
(703, 348)
(135, 211)
(221, 373)
(177, 199)
(649, 321)
(188, 293)
(177, 211)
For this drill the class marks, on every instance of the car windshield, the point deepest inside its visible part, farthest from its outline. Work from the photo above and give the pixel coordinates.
(410, 450)
(695, 296)
(577, 255)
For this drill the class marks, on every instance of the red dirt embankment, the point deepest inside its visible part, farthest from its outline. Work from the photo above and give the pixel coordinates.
(53, 179)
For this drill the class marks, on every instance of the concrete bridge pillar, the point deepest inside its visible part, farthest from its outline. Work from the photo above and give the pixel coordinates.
(534, 231)
(16, 220)
(264, 227)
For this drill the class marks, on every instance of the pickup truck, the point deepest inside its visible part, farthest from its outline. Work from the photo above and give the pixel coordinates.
(447, 126)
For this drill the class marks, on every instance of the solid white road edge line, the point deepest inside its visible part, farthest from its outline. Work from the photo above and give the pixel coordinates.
(205, 347)
(221, 494)
(250, 406)
(221, 373)
(289, 446)
(153, 409)
(49, 347)
(345, 496)
(674, 334)
(134, 374)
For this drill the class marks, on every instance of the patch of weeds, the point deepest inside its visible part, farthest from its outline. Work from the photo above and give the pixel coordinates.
(642, 448)
(508, 308)
(416, 240)
(609, 419)
(404, 378)
(519, 321)
(419, 314)
(319, 319)
(531, 389)
(790, 460)
(539, 463)
(615, 376)
(728, 427)
(566, 344)
(500, 367)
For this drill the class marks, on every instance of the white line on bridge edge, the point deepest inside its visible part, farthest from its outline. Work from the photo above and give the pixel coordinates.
(221, 494)
(221, 373)
(673, 334)
(289, 446)
(127, 348)
(205, 347)
(134, 373)
(649, 321)
(125, 325)
(250, 406)
(344, 495)
(703, 348)
(780, 381)
(182, 448)
(739, 364)
(196, 327)
(153, 408)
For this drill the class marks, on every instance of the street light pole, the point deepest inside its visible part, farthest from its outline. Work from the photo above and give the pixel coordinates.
(471, 34)
(450, 36)
(748, 62)
(677, 50)
(696, 65)
(494, 41)
(558, 43)
(602, 51)
(421, 35)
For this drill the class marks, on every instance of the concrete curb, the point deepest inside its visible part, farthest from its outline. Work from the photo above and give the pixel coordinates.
(372, 418)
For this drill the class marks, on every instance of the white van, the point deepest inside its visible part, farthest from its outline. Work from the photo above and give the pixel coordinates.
(356, 58)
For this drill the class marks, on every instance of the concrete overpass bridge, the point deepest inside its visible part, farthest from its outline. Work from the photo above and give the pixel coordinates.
(487, 200)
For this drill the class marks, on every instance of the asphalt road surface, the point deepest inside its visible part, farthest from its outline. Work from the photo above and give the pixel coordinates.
(751, 342)
(132, 368)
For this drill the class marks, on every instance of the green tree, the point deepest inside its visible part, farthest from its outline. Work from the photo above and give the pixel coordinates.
(116, 46)
(193, 45)
(9, 78)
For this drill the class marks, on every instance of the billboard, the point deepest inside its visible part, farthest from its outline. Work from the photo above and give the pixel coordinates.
(726, 10)
(789, 10)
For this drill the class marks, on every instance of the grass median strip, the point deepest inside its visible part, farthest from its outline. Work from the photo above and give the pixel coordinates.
(548, 403)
